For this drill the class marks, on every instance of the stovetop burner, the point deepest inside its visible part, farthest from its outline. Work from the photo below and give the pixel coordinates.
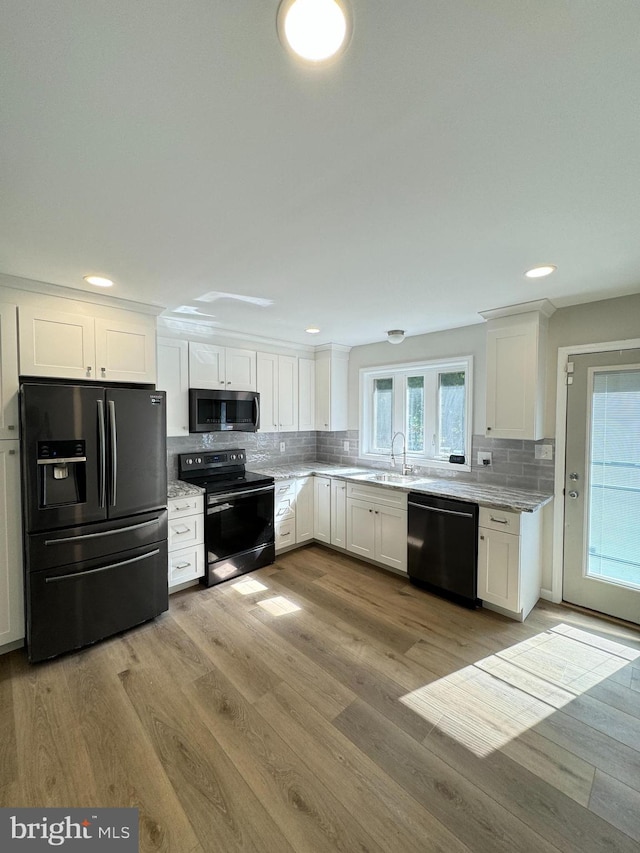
(219, 471)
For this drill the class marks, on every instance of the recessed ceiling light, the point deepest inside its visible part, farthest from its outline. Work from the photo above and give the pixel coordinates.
(313, 330)
(315, 30)
(98, 281)
(541, 271)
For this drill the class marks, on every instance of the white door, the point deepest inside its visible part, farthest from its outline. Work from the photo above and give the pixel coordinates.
(8, 372)
(56, 343)
(602, 484)
(267, 384)
(391, 537)
(322, 509)
(173, 377)
(339, 513)
(360, 528)
(206, 366)
(125, 349)
(287, 393)
(240, 369)
(11, 582)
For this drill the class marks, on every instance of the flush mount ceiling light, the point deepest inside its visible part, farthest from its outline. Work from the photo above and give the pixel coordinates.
(541, 271)
(395, 336)
(98, 281)
(315, 30)
(312, 330)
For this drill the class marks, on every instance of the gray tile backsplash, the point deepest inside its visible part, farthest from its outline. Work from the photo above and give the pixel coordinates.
(263, 448)
(513, 461)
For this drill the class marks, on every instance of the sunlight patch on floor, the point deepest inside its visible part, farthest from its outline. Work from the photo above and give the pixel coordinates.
(278, 606)
(248, 586)
(486, 705)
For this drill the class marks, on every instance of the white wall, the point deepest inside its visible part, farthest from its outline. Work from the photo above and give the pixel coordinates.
(594, 322)
(453, 343)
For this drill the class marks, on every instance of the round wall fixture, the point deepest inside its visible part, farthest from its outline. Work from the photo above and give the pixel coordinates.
(395, 336)
(314, 30)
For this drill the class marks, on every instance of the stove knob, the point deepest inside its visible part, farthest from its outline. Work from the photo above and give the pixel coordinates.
(188, 461)
(233, 455)
(199, 460)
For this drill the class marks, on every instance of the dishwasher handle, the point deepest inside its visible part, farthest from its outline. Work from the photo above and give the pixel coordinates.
(443, 511)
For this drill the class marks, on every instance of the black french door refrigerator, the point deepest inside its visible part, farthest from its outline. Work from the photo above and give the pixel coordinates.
(95, 520)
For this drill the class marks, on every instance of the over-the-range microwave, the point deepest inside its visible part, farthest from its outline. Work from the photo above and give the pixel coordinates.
(215, 411)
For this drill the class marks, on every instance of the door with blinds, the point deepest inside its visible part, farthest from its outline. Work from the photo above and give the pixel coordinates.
(602, 484)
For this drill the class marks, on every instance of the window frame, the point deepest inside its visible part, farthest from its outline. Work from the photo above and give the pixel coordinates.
(399, 373)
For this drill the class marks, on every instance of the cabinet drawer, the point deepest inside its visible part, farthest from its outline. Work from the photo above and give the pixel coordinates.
(186, 564)
(285, 488)
(377, 494)
(499, 519)
(285, 508)
(186, 531)
(285, 533)
(190, 505)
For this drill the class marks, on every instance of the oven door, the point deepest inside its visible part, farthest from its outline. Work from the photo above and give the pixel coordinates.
(238, 521)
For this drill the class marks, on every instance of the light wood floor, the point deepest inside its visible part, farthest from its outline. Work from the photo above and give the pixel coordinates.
(373, 717)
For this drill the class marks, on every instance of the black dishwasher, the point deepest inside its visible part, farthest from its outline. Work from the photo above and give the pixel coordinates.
(443, 547)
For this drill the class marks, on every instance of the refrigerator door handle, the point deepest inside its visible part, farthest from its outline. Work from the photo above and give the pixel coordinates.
(114, 451)
(102, 450)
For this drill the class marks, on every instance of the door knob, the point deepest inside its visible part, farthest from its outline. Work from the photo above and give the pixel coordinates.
(573, 494)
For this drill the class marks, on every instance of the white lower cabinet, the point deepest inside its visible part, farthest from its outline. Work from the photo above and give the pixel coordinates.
(339, 513)
(304, 509)
(509, 561)
(377, 525)
(186, 539)
(11, 581)
(322, 509)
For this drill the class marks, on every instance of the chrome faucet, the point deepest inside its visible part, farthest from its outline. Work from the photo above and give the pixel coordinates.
(406, 469)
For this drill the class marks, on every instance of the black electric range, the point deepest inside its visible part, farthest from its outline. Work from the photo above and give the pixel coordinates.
(239, 528)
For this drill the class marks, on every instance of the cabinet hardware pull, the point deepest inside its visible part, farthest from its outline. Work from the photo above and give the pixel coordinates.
(182, 508)
(185, 529)
(183, 566)
(500, 520)
(482, 537)
(10, 426)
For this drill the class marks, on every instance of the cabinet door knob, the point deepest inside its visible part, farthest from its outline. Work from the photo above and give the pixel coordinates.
(488, 429)
(88, 371)
(482, 537)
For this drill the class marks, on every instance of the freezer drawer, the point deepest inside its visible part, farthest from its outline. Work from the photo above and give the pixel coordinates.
(73, 606)
(89, 541)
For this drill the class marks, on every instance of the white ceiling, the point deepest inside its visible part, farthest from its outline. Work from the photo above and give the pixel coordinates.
(176, 147)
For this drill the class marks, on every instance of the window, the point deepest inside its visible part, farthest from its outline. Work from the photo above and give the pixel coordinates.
(428, 402)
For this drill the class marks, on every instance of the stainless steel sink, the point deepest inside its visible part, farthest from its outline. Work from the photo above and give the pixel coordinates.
(394, 478)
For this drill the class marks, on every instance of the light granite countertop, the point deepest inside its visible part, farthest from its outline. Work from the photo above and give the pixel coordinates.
(180, 489)
(498, 497)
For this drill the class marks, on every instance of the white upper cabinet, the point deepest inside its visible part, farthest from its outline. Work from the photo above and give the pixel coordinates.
(278, 388)
(306, 394)
(216, 367)
(117, 346)
(332, 368)
(8, 372)
(173, 377)
(126, 351)
(516, 344)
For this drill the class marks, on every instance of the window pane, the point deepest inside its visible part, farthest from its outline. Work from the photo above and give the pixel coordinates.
(451, 405)
(382, 414)
(415, 414)
(614, 482)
